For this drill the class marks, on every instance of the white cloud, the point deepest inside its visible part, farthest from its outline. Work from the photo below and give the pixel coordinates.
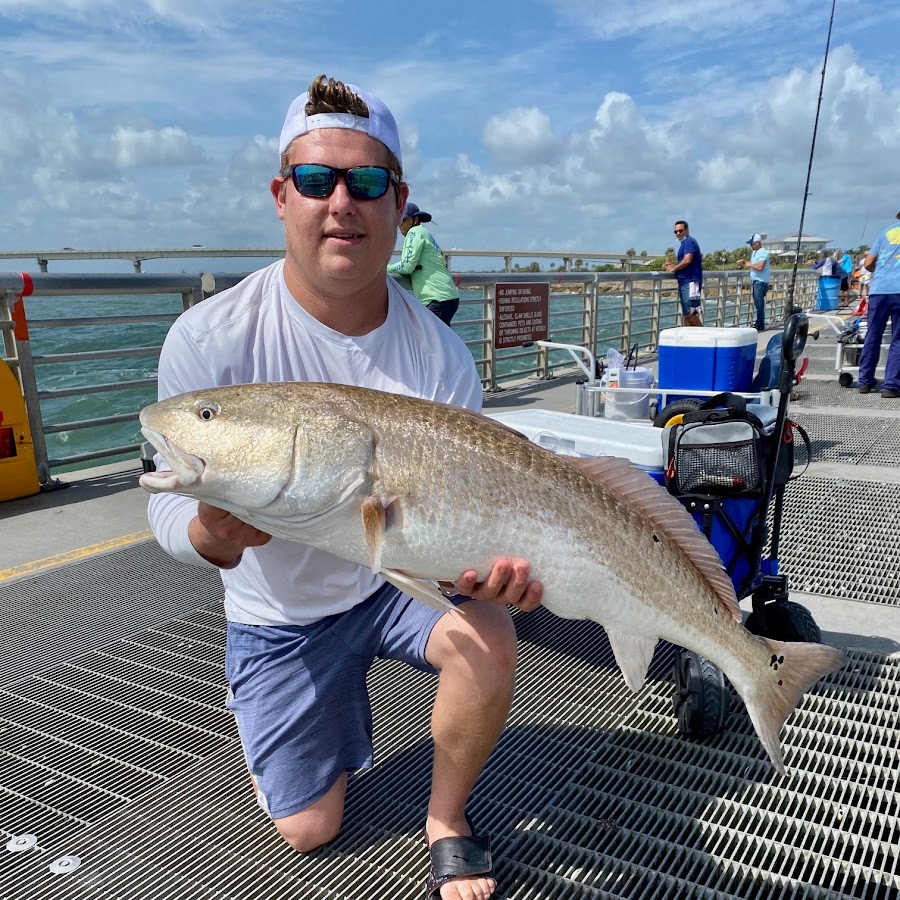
(520, 136)
(687, 17)
(153, 147)
(128, 123)
(198, 16)
(729, 173)
(627, 172)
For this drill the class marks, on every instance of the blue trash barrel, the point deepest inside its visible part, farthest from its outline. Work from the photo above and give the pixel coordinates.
(827, 293)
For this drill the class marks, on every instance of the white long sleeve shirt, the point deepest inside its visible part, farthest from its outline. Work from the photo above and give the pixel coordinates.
(257, 332)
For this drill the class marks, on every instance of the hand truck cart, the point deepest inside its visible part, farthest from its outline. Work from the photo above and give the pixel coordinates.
(850, 338)
(737, 526)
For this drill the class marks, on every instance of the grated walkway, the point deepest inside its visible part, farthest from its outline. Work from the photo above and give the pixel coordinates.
(116, 749)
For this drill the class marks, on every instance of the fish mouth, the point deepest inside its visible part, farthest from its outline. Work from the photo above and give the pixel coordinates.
(186, 469)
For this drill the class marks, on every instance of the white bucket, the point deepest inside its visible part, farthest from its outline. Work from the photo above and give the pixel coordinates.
(629, 404)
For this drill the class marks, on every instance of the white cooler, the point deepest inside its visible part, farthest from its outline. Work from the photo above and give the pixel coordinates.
(572, 435)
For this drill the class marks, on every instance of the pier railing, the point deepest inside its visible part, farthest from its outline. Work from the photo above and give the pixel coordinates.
(566, 259)
(597, 311)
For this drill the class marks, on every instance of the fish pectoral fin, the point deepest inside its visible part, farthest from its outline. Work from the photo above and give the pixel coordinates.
(633, 654)
(374, 518)
(426, 592)
(379, 515)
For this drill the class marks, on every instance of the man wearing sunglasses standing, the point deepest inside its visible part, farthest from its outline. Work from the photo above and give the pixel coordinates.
(688, 270)
(304, 626)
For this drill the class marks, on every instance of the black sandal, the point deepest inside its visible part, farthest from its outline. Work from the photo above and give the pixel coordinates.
(454, 857)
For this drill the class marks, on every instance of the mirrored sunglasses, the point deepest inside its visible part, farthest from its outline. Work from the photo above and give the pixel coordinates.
(363, 182)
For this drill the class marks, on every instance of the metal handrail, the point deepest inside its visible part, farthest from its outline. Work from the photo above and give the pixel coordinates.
(590, 370)
(61, 393)
(137, 256)
(593, 310)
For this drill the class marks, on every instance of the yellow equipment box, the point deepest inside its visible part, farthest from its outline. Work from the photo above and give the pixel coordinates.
(18, 470)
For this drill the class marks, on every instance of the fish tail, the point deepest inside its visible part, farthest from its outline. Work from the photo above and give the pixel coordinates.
(788, 671)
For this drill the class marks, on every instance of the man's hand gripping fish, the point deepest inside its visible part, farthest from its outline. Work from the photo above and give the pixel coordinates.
(420, 491)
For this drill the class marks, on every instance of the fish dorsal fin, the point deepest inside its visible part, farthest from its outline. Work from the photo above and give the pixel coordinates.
(633, 654)
(496, 423)
(668, 517)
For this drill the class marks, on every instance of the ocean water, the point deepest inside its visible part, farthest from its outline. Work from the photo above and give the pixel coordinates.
(565, 313)
(82, 339)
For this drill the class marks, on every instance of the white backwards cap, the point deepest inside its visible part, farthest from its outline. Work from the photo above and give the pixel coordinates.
(380, 124)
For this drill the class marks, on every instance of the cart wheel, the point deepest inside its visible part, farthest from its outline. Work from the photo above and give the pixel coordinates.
(845, 379)
(701, 699)
(786, 621)
(676, 408)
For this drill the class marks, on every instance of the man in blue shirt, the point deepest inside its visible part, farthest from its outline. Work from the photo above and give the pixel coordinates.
(759, 278)
(689, 272)
(884, 301)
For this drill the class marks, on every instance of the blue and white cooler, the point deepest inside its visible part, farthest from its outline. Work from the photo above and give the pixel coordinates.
(706, 359)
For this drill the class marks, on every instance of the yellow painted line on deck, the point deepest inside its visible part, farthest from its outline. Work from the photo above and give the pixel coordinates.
(61, 559)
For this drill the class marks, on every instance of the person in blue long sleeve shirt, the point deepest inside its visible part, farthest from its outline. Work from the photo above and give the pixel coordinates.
(826, 294)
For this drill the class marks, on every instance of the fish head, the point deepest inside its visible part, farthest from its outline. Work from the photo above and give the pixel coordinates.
(277, 455)
(223, 446)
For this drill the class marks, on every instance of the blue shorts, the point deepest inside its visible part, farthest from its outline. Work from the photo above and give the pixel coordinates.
(299, 694)
(689, 304)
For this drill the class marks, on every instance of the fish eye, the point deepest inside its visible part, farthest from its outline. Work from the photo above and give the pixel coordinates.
(207, 413)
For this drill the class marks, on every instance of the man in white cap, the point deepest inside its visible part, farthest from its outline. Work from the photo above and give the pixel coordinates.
(758, 264)
(304, 626)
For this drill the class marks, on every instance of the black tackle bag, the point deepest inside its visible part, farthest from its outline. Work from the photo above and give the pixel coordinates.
(723, 449)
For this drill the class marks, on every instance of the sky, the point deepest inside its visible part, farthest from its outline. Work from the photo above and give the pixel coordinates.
(577, 125)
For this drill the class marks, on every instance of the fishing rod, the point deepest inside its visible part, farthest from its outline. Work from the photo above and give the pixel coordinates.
(789, 302)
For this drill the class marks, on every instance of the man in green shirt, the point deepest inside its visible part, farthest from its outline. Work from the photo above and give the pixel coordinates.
(422, 261)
